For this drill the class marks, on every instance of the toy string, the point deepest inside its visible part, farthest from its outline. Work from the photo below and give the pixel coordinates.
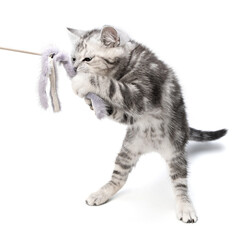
(20, 51)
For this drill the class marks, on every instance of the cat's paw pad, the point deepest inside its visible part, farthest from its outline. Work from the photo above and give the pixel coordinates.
(98, 198)
(186, 212)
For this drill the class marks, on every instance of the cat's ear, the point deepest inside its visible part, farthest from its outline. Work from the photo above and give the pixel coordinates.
(110, 37)
(75, 34)
(113, 37)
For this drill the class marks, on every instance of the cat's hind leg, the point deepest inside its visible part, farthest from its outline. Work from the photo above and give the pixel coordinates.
(177, 163)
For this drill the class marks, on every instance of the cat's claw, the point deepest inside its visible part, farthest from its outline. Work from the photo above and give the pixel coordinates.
(186, 213)
(89, 103)
(98, 198)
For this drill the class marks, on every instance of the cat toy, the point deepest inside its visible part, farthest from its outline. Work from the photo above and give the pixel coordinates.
(50, 57)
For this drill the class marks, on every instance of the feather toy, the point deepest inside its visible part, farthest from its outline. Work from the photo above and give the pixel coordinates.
(48, 72)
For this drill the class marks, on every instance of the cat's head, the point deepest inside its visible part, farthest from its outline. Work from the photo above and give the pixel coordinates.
(99, 51)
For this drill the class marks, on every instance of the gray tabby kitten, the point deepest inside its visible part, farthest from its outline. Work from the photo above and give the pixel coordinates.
(142, 92)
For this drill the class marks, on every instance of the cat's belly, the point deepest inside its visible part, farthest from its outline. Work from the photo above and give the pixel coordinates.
(151, 132)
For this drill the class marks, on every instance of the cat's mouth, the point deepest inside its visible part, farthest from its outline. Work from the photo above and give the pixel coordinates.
(82, 69)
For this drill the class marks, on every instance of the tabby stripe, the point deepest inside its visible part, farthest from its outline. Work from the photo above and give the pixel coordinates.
(92, 81)
(127, 95)
(182, 174)
(112, 89)
(116, 172)
(112, 182)
(181, 186)
(124, 166)
(108, 62)
(124, 155)
(122, 174)
(131, 54)
(125, 118)
(115, 177)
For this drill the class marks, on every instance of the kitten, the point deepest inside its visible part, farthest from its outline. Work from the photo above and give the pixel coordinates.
(142, 92)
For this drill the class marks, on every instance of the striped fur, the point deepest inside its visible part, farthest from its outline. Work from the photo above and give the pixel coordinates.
(143, 92)
(200, 136)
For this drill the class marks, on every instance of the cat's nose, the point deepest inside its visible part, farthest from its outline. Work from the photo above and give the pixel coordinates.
(75, 69)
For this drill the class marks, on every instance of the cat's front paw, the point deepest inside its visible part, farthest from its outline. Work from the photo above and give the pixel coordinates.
(186, 212)
(81, 84)
(97, 198)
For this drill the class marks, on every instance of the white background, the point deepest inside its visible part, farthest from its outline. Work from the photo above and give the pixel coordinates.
(50, 163)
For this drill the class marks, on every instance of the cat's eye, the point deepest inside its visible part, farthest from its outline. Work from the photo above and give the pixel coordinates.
(73, 59)
(87, 59)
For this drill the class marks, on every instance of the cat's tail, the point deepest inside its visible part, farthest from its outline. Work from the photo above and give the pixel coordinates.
(202, 136)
